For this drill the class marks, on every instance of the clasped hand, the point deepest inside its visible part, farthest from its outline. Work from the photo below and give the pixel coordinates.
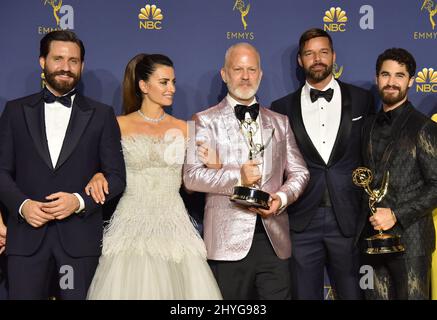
(250, 173)
(60, 205)
(383, 219)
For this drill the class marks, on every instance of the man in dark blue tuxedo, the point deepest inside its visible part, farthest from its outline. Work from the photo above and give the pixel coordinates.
(51, 144)
(326, 116)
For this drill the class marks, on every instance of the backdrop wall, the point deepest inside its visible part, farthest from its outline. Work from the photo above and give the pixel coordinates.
(196, 33)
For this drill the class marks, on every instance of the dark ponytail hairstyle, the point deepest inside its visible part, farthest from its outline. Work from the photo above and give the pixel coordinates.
(139, 68)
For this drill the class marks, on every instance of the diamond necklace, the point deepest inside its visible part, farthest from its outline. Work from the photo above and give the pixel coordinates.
(151, 119)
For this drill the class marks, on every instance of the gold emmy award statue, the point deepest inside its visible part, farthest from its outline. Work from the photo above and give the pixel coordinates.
(252, 196)
(381, 242)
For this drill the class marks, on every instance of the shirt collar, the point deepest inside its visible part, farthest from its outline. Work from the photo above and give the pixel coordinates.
(72, 97)
(391, 115)
(232, 102)
(331, 85)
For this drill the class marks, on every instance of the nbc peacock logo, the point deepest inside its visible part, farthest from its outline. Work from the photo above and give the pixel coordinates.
(426, 81)
(335, 20)
(150, 17)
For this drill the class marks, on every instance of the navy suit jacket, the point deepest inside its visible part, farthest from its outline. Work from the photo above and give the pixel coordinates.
(356, 104)
(91, 144)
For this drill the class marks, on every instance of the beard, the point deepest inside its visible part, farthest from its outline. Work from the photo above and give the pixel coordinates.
(243, 94)
(392, 99)
(61, 87)
(317, 76)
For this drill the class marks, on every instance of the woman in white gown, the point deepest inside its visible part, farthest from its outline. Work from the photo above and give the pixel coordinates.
(151, 249)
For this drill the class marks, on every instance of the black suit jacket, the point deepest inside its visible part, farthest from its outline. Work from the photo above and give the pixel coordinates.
(345, 197)
(91, 144)
(412, 188)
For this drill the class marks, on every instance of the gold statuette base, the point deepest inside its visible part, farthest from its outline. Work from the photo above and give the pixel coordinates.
(251, 197)
(384, 243)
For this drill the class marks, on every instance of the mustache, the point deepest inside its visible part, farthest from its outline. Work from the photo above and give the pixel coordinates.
(391, 87)
(319, 65)
(64, 73)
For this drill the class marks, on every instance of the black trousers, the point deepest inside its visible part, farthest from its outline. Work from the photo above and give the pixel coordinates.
(260, 275)
(322, 244)
(30, 277)
(397, 277)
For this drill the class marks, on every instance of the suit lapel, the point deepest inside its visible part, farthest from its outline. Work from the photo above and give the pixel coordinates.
(307, 147)
(230, 122)
(80, 116)
(35, 120)
(270, 148)
(344, 130)
(366, 135)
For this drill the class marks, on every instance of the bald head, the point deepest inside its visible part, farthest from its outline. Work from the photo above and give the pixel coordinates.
(239, 48)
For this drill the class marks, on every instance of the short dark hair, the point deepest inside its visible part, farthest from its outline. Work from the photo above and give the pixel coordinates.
(60, 35)
(399, 55)
(313, 33)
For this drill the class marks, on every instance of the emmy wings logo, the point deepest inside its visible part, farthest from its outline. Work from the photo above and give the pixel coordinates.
(335, 20)
(63, 16)
(150, 17)
(426, 80)
(243, 10)
(337, 71)
(429, 7)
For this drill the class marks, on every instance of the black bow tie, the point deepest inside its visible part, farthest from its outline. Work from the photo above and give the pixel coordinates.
(316, 94)
(384, 117)
(49, 97)
(240, 111)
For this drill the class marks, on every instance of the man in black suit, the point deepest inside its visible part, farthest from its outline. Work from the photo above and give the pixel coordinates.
(326, 116)
(51, 144)
(402, 141)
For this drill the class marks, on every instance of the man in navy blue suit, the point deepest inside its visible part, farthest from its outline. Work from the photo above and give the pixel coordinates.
(51, 144)
(326, 116)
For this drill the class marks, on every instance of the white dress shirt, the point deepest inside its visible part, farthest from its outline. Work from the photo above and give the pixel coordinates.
(257, 139)
(322, 118)
(57, 117)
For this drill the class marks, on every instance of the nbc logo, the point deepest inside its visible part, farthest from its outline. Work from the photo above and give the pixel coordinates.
(335, 19)
(150, 17)
(426, 80)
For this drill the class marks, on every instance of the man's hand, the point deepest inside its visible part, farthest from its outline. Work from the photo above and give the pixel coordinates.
(61, 205)
(274, 204)
(3, 231)
(208, 156)
(383, 219)
(34, 214)
(250, 173)
(97, 187)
